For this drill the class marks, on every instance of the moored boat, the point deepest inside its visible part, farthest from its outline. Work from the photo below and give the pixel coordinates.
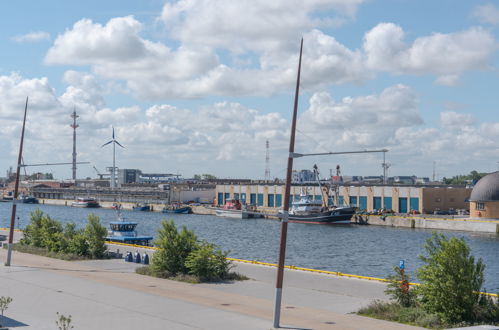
(141, 207)
(308, 210)
(85, 202)
(122, 231)
(234, 209)
(177, 208)
(29, 200)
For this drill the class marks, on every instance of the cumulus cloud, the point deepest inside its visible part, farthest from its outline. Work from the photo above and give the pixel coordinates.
(445, 55)
(454, 119)
(488, 14)
(32, 37)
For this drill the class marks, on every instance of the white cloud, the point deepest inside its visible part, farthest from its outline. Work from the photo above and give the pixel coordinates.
(454, 119)
(488, 14)
(32, 37)
(445, 55)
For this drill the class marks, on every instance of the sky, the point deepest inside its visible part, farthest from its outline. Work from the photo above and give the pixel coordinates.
(199, 86)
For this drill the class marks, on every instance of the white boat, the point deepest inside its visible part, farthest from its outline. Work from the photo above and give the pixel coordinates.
(235, 210)
(308, 210)
(85, 202)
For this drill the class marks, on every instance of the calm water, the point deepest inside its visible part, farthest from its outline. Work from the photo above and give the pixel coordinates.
(361, 250)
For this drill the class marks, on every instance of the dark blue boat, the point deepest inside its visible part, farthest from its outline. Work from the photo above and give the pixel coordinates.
(141, 207)
(29, 200)
(124, 232)
(174, 209)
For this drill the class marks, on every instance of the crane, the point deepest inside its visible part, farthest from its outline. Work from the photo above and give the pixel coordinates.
(101, 176)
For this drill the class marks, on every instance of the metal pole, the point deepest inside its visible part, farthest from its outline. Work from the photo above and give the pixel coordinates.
(113, 181)
(284, 222)
(16, 190)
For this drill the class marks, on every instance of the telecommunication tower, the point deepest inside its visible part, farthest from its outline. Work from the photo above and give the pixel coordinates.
(267, 161)
(74, 126)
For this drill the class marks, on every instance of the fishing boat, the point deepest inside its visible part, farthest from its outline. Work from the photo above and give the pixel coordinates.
(235, 210)
(29, 199)
(308, 210)
(141, 207)
(85, 202)
(177, 208)
(122, 231)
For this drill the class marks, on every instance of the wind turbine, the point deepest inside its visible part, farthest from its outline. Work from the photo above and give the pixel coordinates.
(113, 174)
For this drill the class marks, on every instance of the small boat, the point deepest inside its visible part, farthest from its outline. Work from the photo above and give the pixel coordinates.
(141, 207)
(308, 210)
(122, 231)
(177, 208)
(85, 202)
(234, 209)
(29, 200)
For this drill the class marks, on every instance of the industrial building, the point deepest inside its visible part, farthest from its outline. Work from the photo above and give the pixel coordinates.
(484, 200)
(399, 198)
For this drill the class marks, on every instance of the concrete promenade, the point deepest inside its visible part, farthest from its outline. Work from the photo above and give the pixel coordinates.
(107, 294)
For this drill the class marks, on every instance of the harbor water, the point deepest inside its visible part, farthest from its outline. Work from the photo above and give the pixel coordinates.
(361, 250)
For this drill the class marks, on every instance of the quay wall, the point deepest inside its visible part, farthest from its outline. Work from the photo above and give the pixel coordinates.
(429, 222)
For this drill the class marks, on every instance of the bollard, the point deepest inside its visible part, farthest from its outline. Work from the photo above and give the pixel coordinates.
(145, 259)
(129, 257)
(137, 257)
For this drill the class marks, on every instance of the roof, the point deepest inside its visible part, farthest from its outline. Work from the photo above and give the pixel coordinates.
(486, 189)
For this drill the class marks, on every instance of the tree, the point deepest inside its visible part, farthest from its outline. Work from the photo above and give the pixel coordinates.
(63, 322)
(95, 235)
(450, 279)
(399, 289)
(4, 304)
(208, 262)
(173, 249)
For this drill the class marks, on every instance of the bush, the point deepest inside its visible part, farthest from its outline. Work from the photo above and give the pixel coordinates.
(451, 280)
(173, 249)
(95, 235)
(44, 232)
(208, 262)
(399, 290)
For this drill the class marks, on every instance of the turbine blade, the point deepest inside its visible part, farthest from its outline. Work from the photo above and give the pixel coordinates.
(105, 144)
(118, 143)
(113, 132)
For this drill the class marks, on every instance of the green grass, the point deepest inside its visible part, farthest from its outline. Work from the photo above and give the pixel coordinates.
(46, 253)
(232, 276)
(392, 311)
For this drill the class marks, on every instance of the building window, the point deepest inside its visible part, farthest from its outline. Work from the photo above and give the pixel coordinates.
(480, 206)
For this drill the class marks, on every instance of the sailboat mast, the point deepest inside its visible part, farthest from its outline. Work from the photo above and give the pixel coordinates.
(16, 190)
(285, 213)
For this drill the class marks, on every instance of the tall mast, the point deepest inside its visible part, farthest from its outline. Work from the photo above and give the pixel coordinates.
(74, 126)
(285, 212)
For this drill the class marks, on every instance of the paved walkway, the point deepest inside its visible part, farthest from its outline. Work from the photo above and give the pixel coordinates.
(107, 294)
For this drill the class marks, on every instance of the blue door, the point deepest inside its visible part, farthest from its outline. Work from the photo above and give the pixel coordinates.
(387, 202)
(270, 200)
(403, 205)
(253, 199)
(243, 198)
(341, 201)
(278, 200)
(377, 203)
(414, 203)
(260, 199)
(220, 199)
(363, 202)
(353, 200)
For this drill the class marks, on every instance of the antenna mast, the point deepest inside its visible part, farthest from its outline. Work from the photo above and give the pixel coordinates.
(267, 161)
(74, 126)
(385, 166)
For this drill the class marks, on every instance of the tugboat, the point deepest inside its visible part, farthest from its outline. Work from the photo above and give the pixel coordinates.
(29, 199)
(122, 231)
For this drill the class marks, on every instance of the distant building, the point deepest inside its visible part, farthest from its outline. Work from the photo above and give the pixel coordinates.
(404, 179)
(484, 199)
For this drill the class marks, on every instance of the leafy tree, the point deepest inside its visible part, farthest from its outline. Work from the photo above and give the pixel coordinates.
(473, 177)
(173, 249)
(208, 262)
(63, 322)
(95, 235)
(451, 279)
(399, 289)
(4, 304)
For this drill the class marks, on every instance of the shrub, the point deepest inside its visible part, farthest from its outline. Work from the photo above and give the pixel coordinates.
(399, 290)
(451, 279)
(173, 249)
(208, 263)
(95, 235)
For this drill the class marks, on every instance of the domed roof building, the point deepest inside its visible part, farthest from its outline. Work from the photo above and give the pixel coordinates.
(484, 199)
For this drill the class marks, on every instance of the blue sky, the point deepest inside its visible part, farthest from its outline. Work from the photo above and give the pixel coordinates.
(198, 86)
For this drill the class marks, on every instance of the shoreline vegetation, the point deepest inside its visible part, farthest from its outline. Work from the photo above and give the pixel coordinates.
(182, 257)
(449, 294)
